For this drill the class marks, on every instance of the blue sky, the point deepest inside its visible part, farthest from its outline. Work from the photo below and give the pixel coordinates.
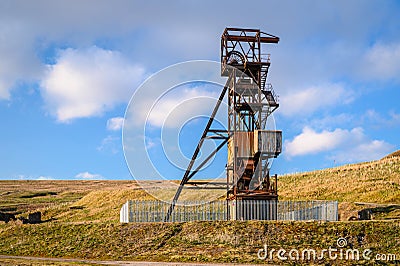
(69, 68)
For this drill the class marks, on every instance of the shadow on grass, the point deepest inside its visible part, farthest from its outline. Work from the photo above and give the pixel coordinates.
(388, 212)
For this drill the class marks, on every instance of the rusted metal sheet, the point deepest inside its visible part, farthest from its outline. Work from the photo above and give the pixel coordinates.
(243, 143)
(268, 142)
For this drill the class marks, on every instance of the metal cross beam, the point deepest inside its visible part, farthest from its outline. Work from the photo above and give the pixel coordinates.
(189, 174)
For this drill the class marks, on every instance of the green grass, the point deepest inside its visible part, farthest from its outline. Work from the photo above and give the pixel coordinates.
(41, 262)
(194, 241)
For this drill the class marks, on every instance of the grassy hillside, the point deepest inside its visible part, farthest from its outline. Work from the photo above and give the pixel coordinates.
(28, 195)
(377, 182)
(393, 154)
(83, 219)
(372, 185)
(195, 241)
(77, 201)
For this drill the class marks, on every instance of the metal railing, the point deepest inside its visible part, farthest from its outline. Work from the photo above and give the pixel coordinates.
(137, 211)
(308, 210)
(265, 58)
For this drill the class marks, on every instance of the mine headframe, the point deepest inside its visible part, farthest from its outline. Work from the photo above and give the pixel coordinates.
(251, 101)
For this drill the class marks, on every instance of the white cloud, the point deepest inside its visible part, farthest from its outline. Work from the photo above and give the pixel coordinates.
(368, 151)
(309, 100)
(331, 121)
(18, 59)
(378, 120)
(132, 27)
(21, 177)
(175, 108)
(109, 144)
(307, 54)
(382, 61)
(32, 177)
(151, 143)
(310, 142)
(87, 175)
(115, 123)
(343, 145)
(85, 83)
(5, 87)
(45, 178)
(395, 117)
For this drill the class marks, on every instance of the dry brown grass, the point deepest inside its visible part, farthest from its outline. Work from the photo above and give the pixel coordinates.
(393, 154)
(73, 201)
(104, 205)
(20, 196)
(99, 205)
(371, 182)
(377, 182)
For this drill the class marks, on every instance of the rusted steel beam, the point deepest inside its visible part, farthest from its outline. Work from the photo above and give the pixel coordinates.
(189, 174)
(252, 39)
(240, 29)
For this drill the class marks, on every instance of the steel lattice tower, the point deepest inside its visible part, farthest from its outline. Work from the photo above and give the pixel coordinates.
(251, 145)
(251, 100)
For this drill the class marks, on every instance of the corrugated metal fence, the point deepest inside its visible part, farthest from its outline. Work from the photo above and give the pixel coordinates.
(155, 211)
